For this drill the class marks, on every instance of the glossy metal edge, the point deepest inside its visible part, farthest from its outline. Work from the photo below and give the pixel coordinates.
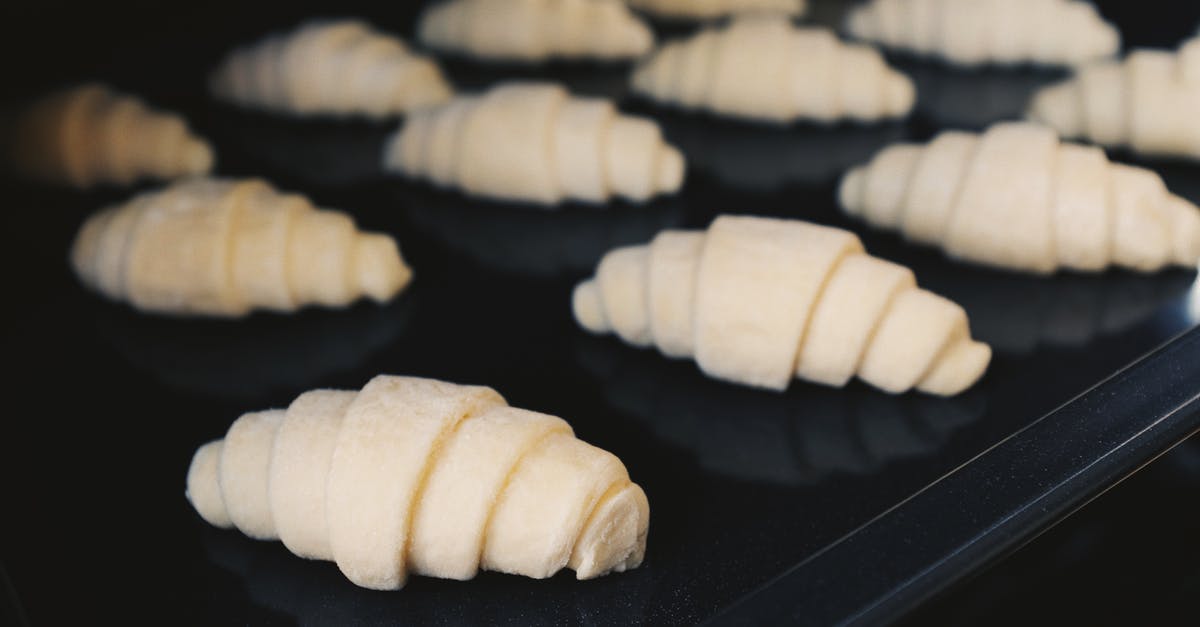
(992, 504)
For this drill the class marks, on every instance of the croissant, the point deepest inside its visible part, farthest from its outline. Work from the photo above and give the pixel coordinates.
(338, 68)
(91, 134)
(976, 32)
(764, 68)
(1017, 198)
(534, 142)
(757, 301)
(709, 9)
(419, 476)
(1147, 102)
(536, 30)
(221, 248)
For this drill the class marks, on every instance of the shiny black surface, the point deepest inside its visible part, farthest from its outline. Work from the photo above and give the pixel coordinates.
(106, 405)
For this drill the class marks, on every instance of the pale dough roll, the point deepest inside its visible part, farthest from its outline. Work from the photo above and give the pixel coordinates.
(760, 300)
(243, 472)
(1016, 197)
(710, 9)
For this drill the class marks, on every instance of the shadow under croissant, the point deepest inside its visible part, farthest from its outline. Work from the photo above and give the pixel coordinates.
(316, 593)
(607, 79)
(794, 438)
(973, 99)
(324, 151)
(766, 158)
(252, 357)
(1017, 313)
(533, 241)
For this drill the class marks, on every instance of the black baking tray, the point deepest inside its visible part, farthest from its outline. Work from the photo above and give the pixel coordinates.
(813, 506)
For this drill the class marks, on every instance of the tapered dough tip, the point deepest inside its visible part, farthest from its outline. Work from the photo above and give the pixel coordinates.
(1185, 231)
(958, 368)
(671, 169)
(1056, 106)
(899, 93)
(87, 242)
(850, 191)
(380, 269)
(203, 490)
(614, 538)
(589, 308)
(198, 158)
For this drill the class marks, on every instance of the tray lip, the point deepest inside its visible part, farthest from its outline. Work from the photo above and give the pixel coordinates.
(1142, 410)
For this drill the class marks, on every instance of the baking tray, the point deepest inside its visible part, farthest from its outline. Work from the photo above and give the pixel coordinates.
(813, 506)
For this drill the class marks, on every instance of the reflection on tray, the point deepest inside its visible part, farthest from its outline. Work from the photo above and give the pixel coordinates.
(973, 99)
(532, 241)
(794, 438)
(763, 158)
(315, 593)
(1016, 314)
(246, 359)
(324, 152)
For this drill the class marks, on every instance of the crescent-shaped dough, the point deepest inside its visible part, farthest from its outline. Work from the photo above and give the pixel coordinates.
(711, 9)
(419, 476)
(222, 248)
(759, 301)
(1017, 198)
(764, 68)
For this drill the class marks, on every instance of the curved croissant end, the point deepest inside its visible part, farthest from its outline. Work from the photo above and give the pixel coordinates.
(764, 68)
(1017, 198)
(534, 142)
(536, 30)
(1146, 102)
(757, 301)
(221, 248)
(419, 476)
(91, 134)
(330, 68)
(710, 9)
(1047, 32)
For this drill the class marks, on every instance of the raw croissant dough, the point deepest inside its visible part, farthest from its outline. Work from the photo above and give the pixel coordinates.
(221, 248)
(535, 142)
(709, 9)
(1017, 198)
(758, 301)
(339, 68)
(91, 134)
(536, 30)
(976, 32)
(1148, 102)
(765, 68)
(420, 476)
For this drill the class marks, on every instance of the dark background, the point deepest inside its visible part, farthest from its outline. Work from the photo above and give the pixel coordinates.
(105, 405)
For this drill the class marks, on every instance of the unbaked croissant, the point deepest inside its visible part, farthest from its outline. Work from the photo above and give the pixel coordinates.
(1017, 198)
(709, 9)
(764, 68)
(1148, 101)
(758, 301)
(419, 476)
(537, 143)
(221, 248)
(337, 68)
(976, 32)
(536, 30)
(91, 134)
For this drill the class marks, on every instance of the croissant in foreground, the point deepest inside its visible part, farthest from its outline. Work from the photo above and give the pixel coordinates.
(535, 142)
(977, 32)
(709, 9)
(758, 301)
(536, 30)
(1017, 198)
(420, 476)
(222, 248)
(1148, 102)
(91, 134)
(764, 68)
(330, 68)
